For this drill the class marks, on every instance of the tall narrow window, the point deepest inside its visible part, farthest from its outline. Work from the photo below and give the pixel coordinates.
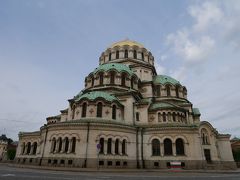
(164, 117)
(28, 147)
(132, 83)
(177, 91)
(101, 145)
(101, 79)
(54, 145)
(117, 54)
(126, 53)
(158, 91)
(155, 147)
(116, 146)
(142, 56)
(66, 144)
(109, 146)
(112, 78)
(179, 147)
(99, 109)
(167, 147)
(124, 147)
(34, 148)
(123, 82)
(135, 54)
(137, 116)
(59, 144)
(84, 109)
(174, 117)
(168, 90)
(110, 56)
(73, 144)
(114, 112)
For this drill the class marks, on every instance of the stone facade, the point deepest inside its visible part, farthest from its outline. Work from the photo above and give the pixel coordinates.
(3, 150)
(127, 116)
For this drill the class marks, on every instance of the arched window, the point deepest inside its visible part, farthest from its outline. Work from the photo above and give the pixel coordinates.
(132, 83)
(137, 116)
(168, 88)
(66, 144)
(126, 53)
(114, 112)
(124, 147)
(123, 82)
(174, 117)
(179, 147)
(204, 135)
(99, 109)
(110, 56)
(164, 117)
(158, 91)
(28, 148)
(116, 146)
(73, 144)
(109, 146)
(101, 79)
(177, 91)
(59, 144)
(155, 147)
(54, 145)
(112, 78)
(92, 79)
(102, 145)
(34, 147)
(73, 111)
(135, 54)
(167, 147)
(142, 56)
(84, 109)
(117, 54)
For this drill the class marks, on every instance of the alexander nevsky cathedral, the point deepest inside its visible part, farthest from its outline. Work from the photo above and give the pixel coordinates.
(127, 116)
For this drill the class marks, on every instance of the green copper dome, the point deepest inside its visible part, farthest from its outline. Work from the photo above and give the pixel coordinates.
(163, 79)
(114, 66)
(160, 105)
(96, 94)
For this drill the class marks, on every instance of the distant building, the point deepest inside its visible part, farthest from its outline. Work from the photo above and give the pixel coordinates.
(235, 144)
(127, 116)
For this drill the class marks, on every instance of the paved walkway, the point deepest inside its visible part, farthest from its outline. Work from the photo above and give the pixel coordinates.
(77, 169)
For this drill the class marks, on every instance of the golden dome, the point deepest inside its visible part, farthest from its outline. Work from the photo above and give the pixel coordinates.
(127, 42)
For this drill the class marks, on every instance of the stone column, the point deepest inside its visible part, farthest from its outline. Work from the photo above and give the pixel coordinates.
(174, 148)
(57, 146)
(70, 146)
(31, 150)
(105, 147)
(63, 146)
(113, 147)
(162, 149)
(25, 151)
(120, 148)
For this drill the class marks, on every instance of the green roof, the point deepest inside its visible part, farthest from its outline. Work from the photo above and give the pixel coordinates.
(114, 66)
(163, 79)
(96, 94)
(196, 111)
(160, 105)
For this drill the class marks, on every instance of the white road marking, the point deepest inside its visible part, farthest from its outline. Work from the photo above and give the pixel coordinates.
(7, 175)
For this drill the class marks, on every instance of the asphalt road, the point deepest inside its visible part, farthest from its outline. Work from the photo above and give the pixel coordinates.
(13, 173)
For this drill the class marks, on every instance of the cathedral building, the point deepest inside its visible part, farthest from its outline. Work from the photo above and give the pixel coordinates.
(127, 116)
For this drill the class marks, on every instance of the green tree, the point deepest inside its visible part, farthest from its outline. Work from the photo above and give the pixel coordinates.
(11, 153)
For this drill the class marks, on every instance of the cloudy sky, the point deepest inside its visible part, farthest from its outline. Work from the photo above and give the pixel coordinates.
(48, 47)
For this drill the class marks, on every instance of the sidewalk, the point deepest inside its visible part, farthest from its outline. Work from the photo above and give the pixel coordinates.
(113, 170)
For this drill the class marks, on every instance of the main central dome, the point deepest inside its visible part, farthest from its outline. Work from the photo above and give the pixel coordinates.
(126, 42)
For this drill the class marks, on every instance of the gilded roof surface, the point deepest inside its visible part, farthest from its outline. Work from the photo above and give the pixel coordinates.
(96, 94)
(163, 79)
(127, 42)
(114, 66)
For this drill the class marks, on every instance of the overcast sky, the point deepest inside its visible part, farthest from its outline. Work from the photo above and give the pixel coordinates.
(48, 47)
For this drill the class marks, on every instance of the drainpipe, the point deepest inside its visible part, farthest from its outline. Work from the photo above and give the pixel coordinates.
(86, 153)
(45, 140)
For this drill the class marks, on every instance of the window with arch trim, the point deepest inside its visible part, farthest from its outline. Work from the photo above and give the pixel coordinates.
(109, 146)
(168, 88)
(59, 144)
(112, 77)
(117, 54)
(114, 111)
(155, 147)
(28, 148)
(92, 79)
(117, 146)
(34, 148)
(101, 145)
(124, 144)
(142, 56)
(100, 78)
(126, 53)
(73, 144)
(179, 147)
(84, 109)
(167, 147)
(110, 57)
(123, 81)
(66, 144)
(99, 109)
(135, 54)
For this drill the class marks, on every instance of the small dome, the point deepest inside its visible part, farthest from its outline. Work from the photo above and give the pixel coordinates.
(163, 79)
(127, 42)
